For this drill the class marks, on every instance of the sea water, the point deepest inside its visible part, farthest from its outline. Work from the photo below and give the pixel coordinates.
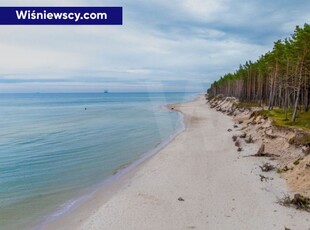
(55, 147)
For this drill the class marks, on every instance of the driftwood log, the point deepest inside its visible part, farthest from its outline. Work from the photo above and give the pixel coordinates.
(261, 152)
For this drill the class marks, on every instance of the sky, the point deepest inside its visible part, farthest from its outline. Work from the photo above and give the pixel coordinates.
(175, 45)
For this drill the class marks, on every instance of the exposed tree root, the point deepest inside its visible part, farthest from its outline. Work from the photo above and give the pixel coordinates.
(261, 153)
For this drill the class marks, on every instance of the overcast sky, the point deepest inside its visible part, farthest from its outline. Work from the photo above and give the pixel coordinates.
(174, 45)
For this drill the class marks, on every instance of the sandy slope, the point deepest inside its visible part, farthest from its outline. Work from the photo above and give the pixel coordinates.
(221, 189)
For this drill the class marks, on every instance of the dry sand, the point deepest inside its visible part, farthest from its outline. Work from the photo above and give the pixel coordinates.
(221, 189)
(292, 161)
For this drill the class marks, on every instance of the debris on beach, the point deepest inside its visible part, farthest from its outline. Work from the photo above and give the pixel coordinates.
(180, 199)
(264, 178)
(249, 140)
(261, 152)
(288, 146)
(296, 162)
(299, 201)
(284, 169)
(267, 167)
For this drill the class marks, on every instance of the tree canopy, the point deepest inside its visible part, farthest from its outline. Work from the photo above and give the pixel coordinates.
(279, 78)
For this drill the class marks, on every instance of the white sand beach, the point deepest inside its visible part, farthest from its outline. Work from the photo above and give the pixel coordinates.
(220, 189)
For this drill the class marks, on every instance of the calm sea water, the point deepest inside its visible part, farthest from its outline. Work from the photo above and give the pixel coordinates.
(54, 147)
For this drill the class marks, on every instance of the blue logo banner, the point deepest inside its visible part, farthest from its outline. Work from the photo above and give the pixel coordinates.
(61, 15)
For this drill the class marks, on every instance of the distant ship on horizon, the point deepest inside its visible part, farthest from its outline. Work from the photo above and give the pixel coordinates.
(106, 91)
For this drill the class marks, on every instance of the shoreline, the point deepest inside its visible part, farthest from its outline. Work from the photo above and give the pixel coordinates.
(214, 197)
(109, 185)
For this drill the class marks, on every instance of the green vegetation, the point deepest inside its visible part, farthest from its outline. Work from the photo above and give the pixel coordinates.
(247, 105)
(280, 118)
(302, 119)
(279, 78)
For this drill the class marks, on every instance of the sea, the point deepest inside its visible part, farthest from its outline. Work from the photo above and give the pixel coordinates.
(57, 148)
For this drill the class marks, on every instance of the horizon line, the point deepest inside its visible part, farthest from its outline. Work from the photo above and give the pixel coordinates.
(99, 92)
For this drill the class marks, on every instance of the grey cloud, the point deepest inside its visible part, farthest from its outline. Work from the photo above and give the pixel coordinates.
(162, 45)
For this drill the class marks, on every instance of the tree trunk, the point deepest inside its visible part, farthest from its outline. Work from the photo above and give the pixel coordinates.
(298, 94)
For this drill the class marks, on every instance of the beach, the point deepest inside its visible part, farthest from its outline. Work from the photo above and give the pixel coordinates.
(197, 181)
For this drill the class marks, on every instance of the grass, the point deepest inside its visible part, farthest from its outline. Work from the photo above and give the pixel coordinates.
(278, 117)
(302, 119)
(247, 105)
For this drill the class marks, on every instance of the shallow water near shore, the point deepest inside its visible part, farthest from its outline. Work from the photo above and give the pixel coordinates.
(56, 147)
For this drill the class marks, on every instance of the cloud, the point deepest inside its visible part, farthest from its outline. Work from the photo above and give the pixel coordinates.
(162, 45)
